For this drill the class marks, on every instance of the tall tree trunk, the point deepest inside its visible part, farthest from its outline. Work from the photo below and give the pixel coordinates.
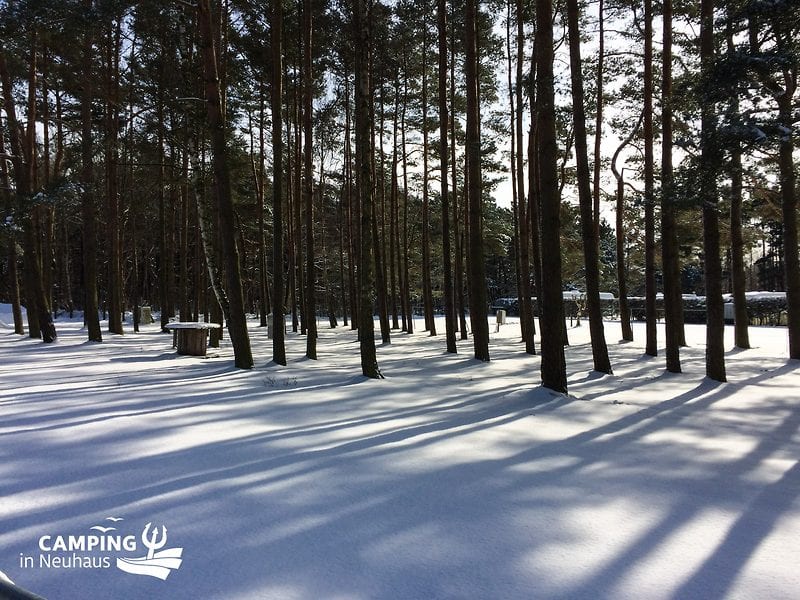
(651, 342)
(553, 366)
(278, 285)
(622, 278)
(709, 163)
(90, 307)
(477, 269)
(394, 220)
(263, 261)
(591, 244)
(49, 213)
(784, 93)
(598, 122)
(364, 188)
(516, 208)
(449, 311)
(115, 305)
(406, 285)
(237, 322)
(352, 238)
(427, 291)
(741, 321)
(458, 279)
(26, 186)
(526, 307)
(789, 211)
(673, 302)
(380, 280)
(220, 308)
(534, 220)
(342, 229)
(165, 263)
(292, 224)
(184, 293)
(379, 234)
(308, 184)
(13, 275)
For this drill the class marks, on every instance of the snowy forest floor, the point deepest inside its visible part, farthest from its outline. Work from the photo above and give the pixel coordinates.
(449, 479)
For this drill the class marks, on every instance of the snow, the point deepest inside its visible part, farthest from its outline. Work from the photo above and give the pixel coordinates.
(449, 479)
(7, 317)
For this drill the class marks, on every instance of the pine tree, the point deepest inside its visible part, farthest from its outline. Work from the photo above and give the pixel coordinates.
(553, 367)
(237, 319)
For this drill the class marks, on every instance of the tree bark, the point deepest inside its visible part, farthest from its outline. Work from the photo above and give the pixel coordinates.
(651, 316)
(90, 307)
(622, 278)
(364, 187)
(394, 221)
(427, 291)
(237, 322)
(741, 320)
(789, 211)
(591, 243)
(458, 279)
(598, 123)
(308, 184)
(553, 366)
(526, 308)
(406, 286)
(709, 163)
(444, 119)
(477, 269)
(673, 301)
(278, 285)
(379, 233)
(115, 303)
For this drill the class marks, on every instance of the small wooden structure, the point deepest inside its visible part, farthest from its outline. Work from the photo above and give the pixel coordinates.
(191, 338)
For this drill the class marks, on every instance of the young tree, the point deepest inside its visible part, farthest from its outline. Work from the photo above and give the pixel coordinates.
(622, 279)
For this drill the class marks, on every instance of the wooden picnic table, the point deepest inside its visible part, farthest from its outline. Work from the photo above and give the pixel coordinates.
(191, 337)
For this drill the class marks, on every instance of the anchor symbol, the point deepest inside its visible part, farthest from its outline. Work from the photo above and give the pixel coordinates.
(151, 543)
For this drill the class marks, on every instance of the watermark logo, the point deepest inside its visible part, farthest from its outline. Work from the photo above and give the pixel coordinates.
(155, 564)
(102, 549)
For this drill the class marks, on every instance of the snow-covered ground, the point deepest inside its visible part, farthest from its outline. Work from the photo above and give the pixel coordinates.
(448, 479)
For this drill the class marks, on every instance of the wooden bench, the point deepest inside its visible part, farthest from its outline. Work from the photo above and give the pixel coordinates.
(191, 338)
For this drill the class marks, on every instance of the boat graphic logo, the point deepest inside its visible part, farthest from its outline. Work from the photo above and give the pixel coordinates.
(158, 563)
